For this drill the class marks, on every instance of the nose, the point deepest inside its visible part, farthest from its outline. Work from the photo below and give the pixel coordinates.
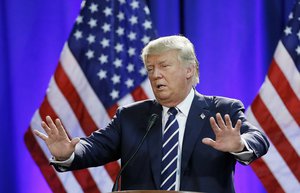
(156, 73)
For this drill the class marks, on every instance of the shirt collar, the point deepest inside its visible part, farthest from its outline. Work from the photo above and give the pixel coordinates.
(184, 106)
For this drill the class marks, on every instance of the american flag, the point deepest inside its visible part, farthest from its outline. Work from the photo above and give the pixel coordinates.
(99, 69)
(276, 109)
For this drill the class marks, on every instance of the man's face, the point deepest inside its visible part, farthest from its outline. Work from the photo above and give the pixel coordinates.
(171, 81)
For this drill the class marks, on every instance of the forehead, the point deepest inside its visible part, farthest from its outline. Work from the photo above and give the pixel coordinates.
(167, 56)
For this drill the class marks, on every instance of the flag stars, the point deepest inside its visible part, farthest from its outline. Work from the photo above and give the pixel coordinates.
(291, 16)
(298, 50)
(117, 63)
(298, 34)
(79, 19)
(122, 1)
(119, 47)
(93, 7)
(82, 5)
(131, 51)
(145, 39)
(91, 39)
(103, 59)
(102, 74)
(120, 31)
(130, 67)
(147, 11)
(92, 23)
(114, 94)
(78, 34)
(133, 20)
(107, 11)
(121, 16)
(147, 24)
(132, 36)
(288, 31)
(129, 83)
(143, 71)
(106, 27)
(104, 42)
(134, 4)
(115, 79)
(89, 54)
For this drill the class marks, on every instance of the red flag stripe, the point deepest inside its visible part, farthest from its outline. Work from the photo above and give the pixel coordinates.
(278, 110)
(63, 109)
(263, 172)
(147, 89)
(285, 91)
(288, 67)
(80, 111)
(37, 154)
(83, 176)
(87, 95)
(71, 95)
(139, 94)
(280, 172)
(67, 178)
(275, 134)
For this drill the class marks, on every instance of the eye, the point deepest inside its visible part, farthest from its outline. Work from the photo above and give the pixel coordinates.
(150, 68)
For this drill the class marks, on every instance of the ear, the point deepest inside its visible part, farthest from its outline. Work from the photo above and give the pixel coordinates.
(190, 71)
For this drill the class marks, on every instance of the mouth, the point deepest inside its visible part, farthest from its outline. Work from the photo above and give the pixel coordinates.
(160, 86)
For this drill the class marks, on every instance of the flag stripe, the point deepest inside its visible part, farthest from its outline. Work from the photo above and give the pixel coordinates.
(39, 157)
(67, 178)
(83, 176)
(285, 91)
(81, 113)
(288, 67)
(275, 134)
(273, 162)
(147, 89)
(67, 89)
(281, 114)
(262, 171)
(62, 108)
(87, 94)
(139, 94)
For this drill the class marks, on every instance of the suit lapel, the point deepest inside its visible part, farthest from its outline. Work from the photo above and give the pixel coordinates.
(154, 145)
(198, 115)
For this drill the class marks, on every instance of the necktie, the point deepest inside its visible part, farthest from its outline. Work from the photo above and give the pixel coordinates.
(170, 152)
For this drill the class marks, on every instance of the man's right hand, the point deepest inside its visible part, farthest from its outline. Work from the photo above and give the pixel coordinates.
(58, 142)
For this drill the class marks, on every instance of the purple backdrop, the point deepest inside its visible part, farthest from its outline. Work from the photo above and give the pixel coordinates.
(234, 41)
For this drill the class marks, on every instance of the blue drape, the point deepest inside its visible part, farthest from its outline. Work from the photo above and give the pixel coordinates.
(234, 42)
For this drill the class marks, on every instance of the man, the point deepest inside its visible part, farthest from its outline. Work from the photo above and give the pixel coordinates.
(193, 145)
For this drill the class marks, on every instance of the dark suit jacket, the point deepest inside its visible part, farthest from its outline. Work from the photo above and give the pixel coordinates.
(203, 168)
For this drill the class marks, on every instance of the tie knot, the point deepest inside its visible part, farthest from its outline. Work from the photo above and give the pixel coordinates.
(173, 111)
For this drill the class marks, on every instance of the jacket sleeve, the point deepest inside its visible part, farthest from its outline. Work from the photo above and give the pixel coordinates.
(254, 138)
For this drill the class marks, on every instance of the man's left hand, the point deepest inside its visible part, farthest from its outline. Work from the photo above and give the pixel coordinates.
(228, 138)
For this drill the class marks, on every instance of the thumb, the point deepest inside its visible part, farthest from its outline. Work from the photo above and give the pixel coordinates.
(74, 141)
(208, 141)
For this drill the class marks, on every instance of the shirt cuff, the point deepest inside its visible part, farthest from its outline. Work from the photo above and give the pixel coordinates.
(65, 163)
(245, 155)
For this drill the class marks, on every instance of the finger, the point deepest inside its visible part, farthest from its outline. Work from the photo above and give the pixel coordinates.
(60, 128)
(228, 121)
(209, 142)
(46, 128)
(220, 121)
(51, 125)
(238, 125)
(40, 135)
(214, 125)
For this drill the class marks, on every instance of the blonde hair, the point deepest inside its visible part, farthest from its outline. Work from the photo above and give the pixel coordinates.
(186, 52)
